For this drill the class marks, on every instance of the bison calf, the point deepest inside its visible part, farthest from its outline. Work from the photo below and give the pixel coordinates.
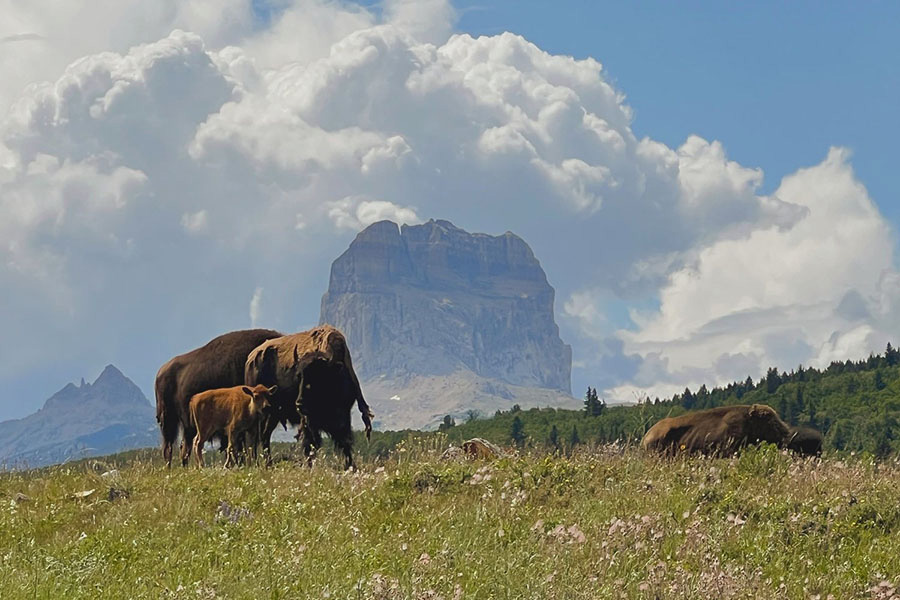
(233, 410)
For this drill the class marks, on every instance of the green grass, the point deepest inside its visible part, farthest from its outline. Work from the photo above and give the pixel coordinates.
(603, 523)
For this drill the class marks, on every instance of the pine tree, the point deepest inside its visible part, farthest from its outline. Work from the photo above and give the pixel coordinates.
(593, 406)
(687, 399)
(773, 380)
(553, 439)
(517, 432)
(891, 355)
(574, 440)
(879, 380)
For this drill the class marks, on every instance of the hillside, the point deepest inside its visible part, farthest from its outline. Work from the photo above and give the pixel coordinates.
(605, 524)
(856, 404)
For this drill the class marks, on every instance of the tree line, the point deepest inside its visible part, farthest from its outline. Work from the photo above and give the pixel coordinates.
(855, 404)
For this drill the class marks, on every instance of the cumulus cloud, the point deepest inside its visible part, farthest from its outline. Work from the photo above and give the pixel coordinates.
(809, 294)
(150, 175)
(356, 213)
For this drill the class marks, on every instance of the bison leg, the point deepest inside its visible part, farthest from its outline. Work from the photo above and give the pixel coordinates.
(343, 439)
(267, 428)
(310, 442)
(169, 429)
(187, 442)
(229, 453)
(198, 450)
(167, 453)
(347, 449)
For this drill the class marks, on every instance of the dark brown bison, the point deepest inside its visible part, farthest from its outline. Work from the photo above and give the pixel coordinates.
(317, 387)
(234, 411)
(806, 441)
(218, 364)
(720, 430)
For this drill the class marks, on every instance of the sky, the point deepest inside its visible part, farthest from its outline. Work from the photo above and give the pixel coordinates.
(709, 187)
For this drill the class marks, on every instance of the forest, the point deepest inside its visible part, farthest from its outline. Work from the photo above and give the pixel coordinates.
(855, 404)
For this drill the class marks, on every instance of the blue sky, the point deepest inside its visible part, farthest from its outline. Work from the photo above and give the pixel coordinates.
(169, 172)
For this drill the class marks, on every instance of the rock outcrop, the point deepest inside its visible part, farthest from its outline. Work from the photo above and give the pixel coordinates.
(433, 300)
(91, 419)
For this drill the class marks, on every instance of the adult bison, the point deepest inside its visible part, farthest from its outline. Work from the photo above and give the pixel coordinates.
(806, 441)
(218, 364)
(317, 387)
(720, 430)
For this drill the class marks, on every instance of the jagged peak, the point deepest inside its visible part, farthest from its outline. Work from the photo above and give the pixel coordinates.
(111, 374)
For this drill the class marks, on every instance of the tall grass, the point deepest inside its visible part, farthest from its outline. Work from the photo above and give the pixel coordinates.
(603, 523)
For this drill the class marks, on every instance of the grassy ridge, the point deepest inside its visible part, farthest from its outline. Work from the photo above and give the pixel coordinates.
(603, 523)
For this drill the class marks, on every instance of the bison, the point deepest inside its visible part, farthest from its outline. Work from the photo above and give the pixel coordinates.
(317, 387)
(721, 430)
(218, 364)
(805, 441)
(234, 410)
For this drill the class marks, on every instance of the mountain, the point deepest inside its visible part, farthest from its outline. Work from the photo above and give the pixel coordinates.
(440, 321)
(91, 419)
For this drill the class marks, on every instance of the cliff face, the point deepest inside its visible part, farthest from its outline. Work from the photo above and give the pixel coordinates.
(432, 299)
(109, 415)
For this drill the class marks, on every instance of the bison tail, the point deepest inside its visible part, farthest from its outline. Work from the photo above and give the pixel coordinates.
(166, 415)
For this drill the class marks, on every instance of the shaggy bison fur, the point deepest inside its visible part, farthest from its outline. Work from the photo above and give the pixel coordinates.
(317, 387)
(719, 431)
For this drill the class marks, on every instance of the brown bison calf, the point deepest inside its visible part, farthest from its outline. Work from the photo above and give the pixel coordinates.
(233, 410)
(721, 430)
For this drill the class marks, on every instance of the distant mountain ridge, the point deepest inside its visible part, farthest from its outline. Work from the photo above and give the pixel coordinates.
(91, 419)
(440, 320)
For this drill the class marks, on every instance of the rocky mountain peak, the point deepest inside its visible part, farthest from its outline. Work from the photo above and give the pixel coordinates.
(105, 416)
(432, 299)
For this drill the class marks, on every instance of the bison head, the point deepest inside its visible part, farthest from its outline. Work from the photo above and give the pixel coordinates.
(260, 396)
(765, 425)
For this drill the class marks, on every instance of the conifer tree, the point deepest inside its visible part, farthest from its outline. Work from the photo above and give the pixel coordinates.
(553, 439)
(574, 440)
(517, 432)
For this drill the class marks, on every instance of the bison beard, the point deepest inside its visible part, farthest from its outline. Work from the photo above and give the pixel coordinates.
(218, 364)
(324, 402)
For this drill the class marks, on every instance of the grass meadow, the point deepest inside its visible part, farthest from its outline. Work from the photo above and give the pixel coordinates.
(606, 522)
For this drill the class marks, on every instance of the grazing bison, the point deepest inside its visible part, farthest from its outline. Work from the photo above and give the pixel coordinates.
(720, 430)
(805, 441)
(233, 410)
(317, 387)
(218, 364)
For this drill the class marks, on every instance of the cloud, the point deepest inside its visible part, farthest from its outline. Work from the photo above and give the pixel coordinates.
(255, 306)
(356, 213)
(809, 294)
(195, 223)
(151, 174)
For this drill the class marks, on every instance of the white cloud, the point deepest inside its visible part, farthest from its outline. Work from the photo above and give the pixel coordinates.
(195, 223)
(255, 306)
(277, 142)
(778, 296)
(356, 213)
